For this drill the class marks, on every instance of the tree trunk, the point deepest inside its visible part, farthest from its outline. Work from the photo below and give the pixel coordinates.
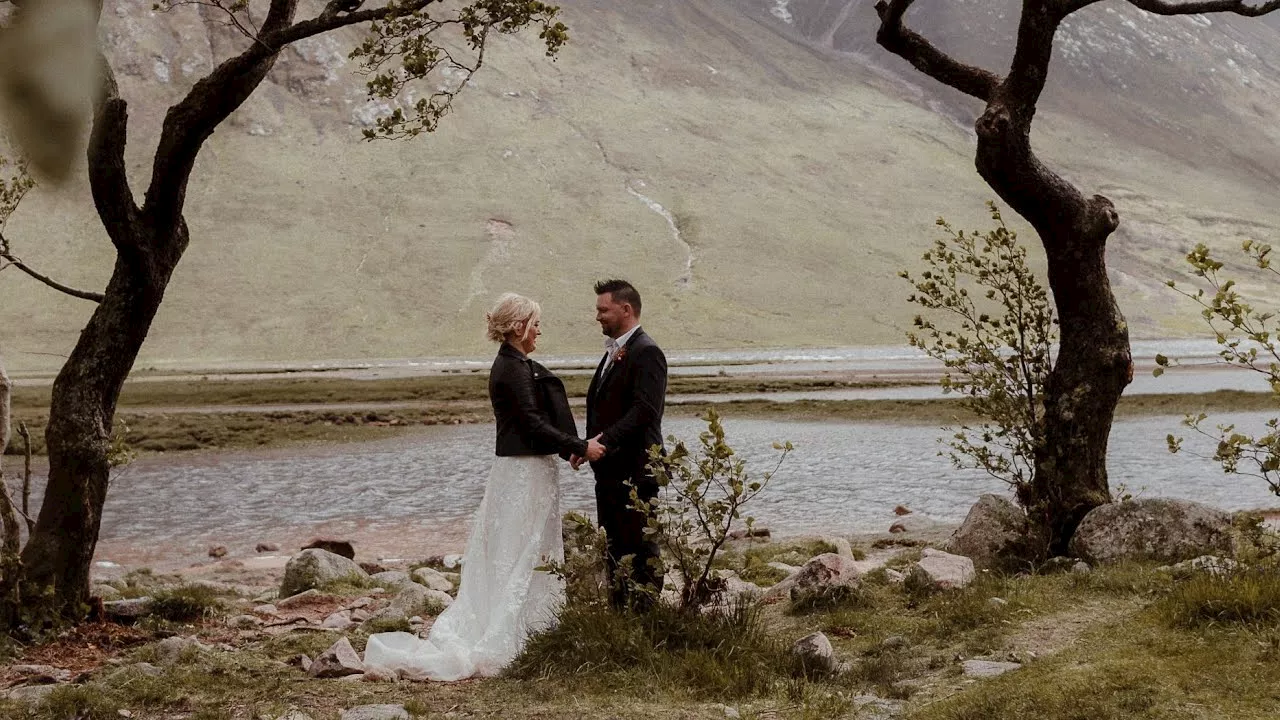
(1081, 392)
(60, 550)
(1093, 363)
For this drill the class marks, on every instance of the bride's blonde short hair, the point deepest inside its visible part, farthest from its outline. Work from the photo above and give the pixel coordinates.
(509, 314)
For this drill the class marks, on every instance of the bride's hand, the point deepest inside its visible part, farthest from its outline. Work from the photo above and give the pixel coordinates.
(575, 461)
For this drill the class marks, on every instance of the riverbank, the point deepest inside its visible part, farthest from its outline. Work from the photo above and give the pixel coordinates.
(1114, 642)
(169, 415)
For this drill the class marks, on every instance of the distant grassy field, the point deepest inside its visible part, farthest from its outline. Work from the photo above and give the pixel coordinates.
(178, 416)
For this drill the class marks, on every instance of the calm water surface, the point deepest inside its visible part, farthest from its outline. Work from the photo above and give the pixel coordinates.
(420, 490)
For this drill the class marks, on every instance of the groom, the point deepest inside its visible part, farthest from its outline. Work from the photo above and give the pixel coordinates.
(624, 408)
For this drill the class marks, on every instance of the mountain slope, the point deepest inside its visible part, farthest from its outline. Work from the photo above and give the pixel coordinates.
(761, 180)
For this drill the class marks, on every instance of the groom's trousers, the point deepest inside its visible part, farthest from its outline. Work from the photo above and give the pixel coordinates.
(624, 529)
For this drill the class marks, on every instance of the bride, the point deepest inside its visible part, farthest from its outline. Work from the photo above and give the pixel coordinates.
(503, 598)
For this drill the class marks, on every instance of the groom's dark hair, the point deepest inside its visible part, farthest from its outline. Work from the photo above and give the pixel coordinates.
(621, 291)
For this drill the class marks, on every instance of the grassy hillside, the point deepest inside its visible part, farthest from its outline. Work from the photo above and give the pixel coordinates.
(759, 190)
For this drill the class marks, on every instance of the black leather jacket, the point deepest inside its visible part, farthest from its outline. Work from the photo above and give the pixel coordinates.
(531, 408)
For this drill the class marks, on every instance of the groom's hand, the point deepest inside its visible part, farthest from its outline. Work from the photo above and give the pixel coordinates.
(575, 461)
(595, 450)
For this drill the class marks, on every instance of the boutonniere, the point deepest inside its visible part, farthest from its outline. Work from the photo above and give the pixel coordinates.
(620, 355)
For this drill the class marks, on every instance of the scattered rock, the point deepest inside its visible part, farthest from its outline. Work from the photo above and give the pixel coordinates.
(735, 589)
(815, 654)
(822, 574)
(127, 610)
(171, 650)
(363, 602)
(41, 674)
(942, 571)
(218, 551)
(433, 579)
(372, 568)
(901, 510)
(338, 621)
(294, 715)
(342, 548)
(106, 592)
(996, 602)
(1081, 568)
(1210, 564)
(894, 576)
(451, 561)
(729, 712)
(871, 707)
(303, 598)
(375, 712)
(988, 668)
(894, 642)
(243, 622)
(31, 693)
(315, 567)
(359, 615)
(898, 528)
(266, 547)
(1153, 529)
(305, 662)
(267, 609)
(754, 532)
(339, 660)
(266, 597)
(990, 533)
(843, 549)
(391, 578)
(788, 569)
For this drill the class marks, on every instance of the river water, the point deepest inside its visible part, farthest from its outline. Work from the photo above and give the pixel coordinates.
(416, 492)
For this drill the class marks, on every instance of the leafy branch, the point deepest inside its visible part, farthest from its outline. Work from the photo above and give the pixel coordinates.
(992, 328)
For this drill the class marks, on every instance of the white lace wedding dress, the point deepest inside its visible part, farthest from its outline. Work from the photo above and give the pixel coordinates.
(502, 598)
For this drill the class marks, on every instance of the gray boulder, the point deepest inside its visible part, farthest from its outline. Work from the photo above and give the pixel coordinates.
(391, 579)
(433, 579)
(171, 650)
(941, 571)
(1153, 529)
(815, 654)
(31, 693)
(315, 568)
(340, 660)
(822, 574)
(991, 530)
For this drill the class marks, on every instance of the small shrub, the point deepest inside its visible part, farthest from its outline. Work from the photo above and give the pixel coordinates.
(711, 655)
(388, 624)
(829, 599)
(1249, 597)
(185, 604)
(701, 495)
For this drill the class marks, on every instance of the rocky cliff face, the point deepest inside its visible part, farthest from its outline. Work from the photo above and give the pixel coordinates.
(758, 167)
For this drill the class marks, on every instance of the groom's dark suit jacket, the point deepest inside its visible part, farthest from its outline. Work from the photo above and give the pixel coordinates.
(626, 404)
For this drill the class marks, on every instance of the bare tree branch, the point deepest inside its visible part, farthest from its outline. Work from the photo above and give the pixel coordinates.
(927, 58)
(7, 256)
(233, 21)
(108, 177)
(1238, 7)
(26, 476)
(215, 97)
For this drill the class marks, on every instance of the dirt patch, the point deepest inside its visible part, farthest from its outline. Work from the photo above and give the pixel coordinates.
(80, 649)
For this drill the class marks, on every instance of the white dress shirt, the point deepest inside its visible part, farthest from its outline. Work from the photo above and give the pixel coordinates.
(612, 346)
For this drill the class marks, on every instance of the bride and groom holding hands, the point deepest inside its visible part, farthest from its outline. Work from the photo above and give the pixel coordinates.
(503, 597)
